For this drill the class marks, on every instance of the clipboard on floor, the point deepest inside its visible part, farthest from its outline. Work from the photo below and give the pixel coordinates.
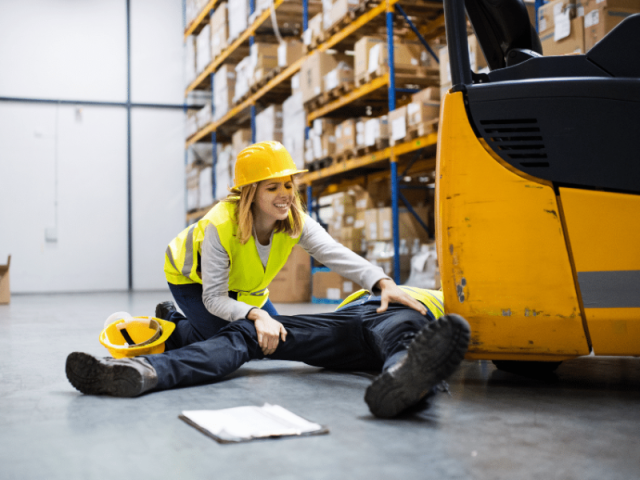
(243, 424)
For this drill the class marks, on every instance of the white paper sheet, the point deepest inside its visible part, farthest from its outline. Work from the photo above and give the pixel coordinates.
(246, 423)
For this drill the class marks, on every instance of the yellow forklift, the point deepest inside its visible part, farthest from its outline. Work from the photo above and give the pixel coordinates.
(538, 191)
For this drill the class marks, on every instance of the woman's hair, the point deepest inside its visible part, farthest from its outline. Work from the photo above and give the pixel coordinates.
(243, 199)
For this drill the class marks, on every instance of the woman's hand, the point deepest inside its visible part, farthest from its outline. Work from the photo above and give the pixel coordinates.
(269, 330)
(391, 293)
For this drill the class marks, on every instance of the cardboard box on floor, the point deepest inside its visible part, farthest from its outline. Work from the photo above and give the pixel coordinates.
(293, 282)
(330, 287)
(5, 291)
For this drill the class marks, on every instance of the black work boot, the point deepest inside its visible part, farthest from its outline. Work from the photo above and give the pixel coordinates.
(433, 355)
(164, 310)
(122, 377)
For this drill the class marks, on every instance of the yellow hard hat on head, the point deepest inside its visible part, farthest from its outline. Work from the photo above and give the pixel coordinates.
(127, 336)
(262, 161)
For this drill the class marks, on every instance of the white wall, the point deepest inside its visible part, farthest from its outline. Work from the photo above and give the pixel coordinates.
(63, 168)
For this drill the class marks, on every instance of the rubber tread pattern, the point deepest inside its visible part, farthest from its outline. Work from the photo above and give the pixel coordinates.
(93, 376)
(433, 355)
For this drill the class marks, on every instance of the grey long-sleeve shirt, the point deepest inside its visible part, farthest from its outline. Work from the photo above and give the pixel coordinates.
(314, 240)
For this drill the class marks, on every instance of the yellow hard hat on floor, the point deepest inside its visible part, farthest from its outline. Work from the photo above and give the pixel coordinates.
(127, 336)
(262, 161)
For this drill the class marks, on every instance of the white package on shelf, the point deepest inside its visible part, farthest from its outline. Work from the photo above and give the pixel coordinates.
(206, 187)
(293, 125)
(223, 176)
(269, 124)
(190, 60)
(244, 73)
(238, 18)
(203, 49)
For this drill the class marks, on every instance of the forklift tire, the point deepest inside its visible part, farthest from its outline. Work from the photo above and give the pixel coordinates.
(526, 368)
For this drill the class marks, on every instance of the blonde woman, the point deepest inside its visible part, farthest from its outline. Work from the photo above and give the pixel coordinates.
(219, 268)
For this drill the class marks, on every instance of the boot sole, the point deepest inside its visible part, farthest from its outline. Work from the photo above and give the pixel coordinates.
(427, 364)
(91, 377)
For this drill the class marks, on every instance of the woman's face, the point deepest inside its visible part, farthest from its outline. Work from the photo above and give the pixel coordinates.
(274, 197)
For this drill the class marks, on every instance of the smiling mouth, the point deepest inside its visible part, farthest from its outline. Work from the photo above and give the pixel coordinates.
(282, 205)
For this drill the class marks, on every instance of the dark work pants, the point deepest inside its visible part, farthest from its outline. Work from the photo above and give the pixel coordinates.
(199, 324)
(355, 338)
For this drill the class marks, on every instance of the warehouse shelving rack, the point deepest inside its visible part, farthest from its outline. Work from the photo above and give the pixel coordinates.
(383, 13)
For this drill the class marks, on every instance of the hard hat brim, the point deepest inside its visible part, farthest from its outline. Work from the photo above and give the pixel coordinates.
(283, 173)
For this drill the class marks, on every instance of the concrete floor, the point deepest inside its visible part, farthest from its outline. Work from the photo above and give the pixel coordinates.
(584, 423)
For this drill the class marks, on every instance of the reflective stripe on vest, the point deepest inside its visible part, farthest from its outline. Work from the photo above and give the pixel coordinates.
(247, 276)
(432, 299)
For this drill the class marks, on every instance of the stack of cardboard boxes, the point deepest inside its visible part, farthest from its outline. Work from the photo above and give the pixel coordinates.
(421, 116)
(321, 141)
(293, 282)
(269, 124)
(224, 83)
(371, 55)
(314, 70)
(575, 26)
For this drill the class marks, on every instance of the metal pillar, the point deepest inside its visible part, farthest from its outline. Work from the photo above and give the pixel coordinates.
(538, 4)
(305, 14)
(394, 164)
(214, 144)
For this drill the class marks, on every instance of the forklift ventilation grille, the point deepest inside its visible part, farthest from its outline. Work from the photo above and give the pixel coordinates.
(518, 139)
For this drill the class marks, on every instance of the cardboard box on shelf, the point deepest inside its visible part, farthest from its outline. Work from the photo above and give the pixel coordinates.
(289, 51)
(330, 287)
(313, 70)
(344, 204)
(376, 129)
(574, 43)
(590, 5)
(292, 284)
(340, 9)
(314, 29)
(423, 111)
(603, 17)
(406, 55)
(429, 94)
(362, 49)
(398, 121)
(342, 74)
(371, 224)
(562, 10)
(347, 138)
(385, 226)
(5, 287)
(219, 30)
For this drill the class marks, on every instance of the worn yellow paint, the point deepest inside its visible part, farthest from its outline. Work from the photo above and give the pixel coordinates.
(604, 233)
(502, 252)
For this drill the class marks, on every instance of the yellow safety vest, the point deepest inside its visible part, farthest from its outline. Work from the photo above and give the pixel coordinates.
(247, 276)
(432, 299)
